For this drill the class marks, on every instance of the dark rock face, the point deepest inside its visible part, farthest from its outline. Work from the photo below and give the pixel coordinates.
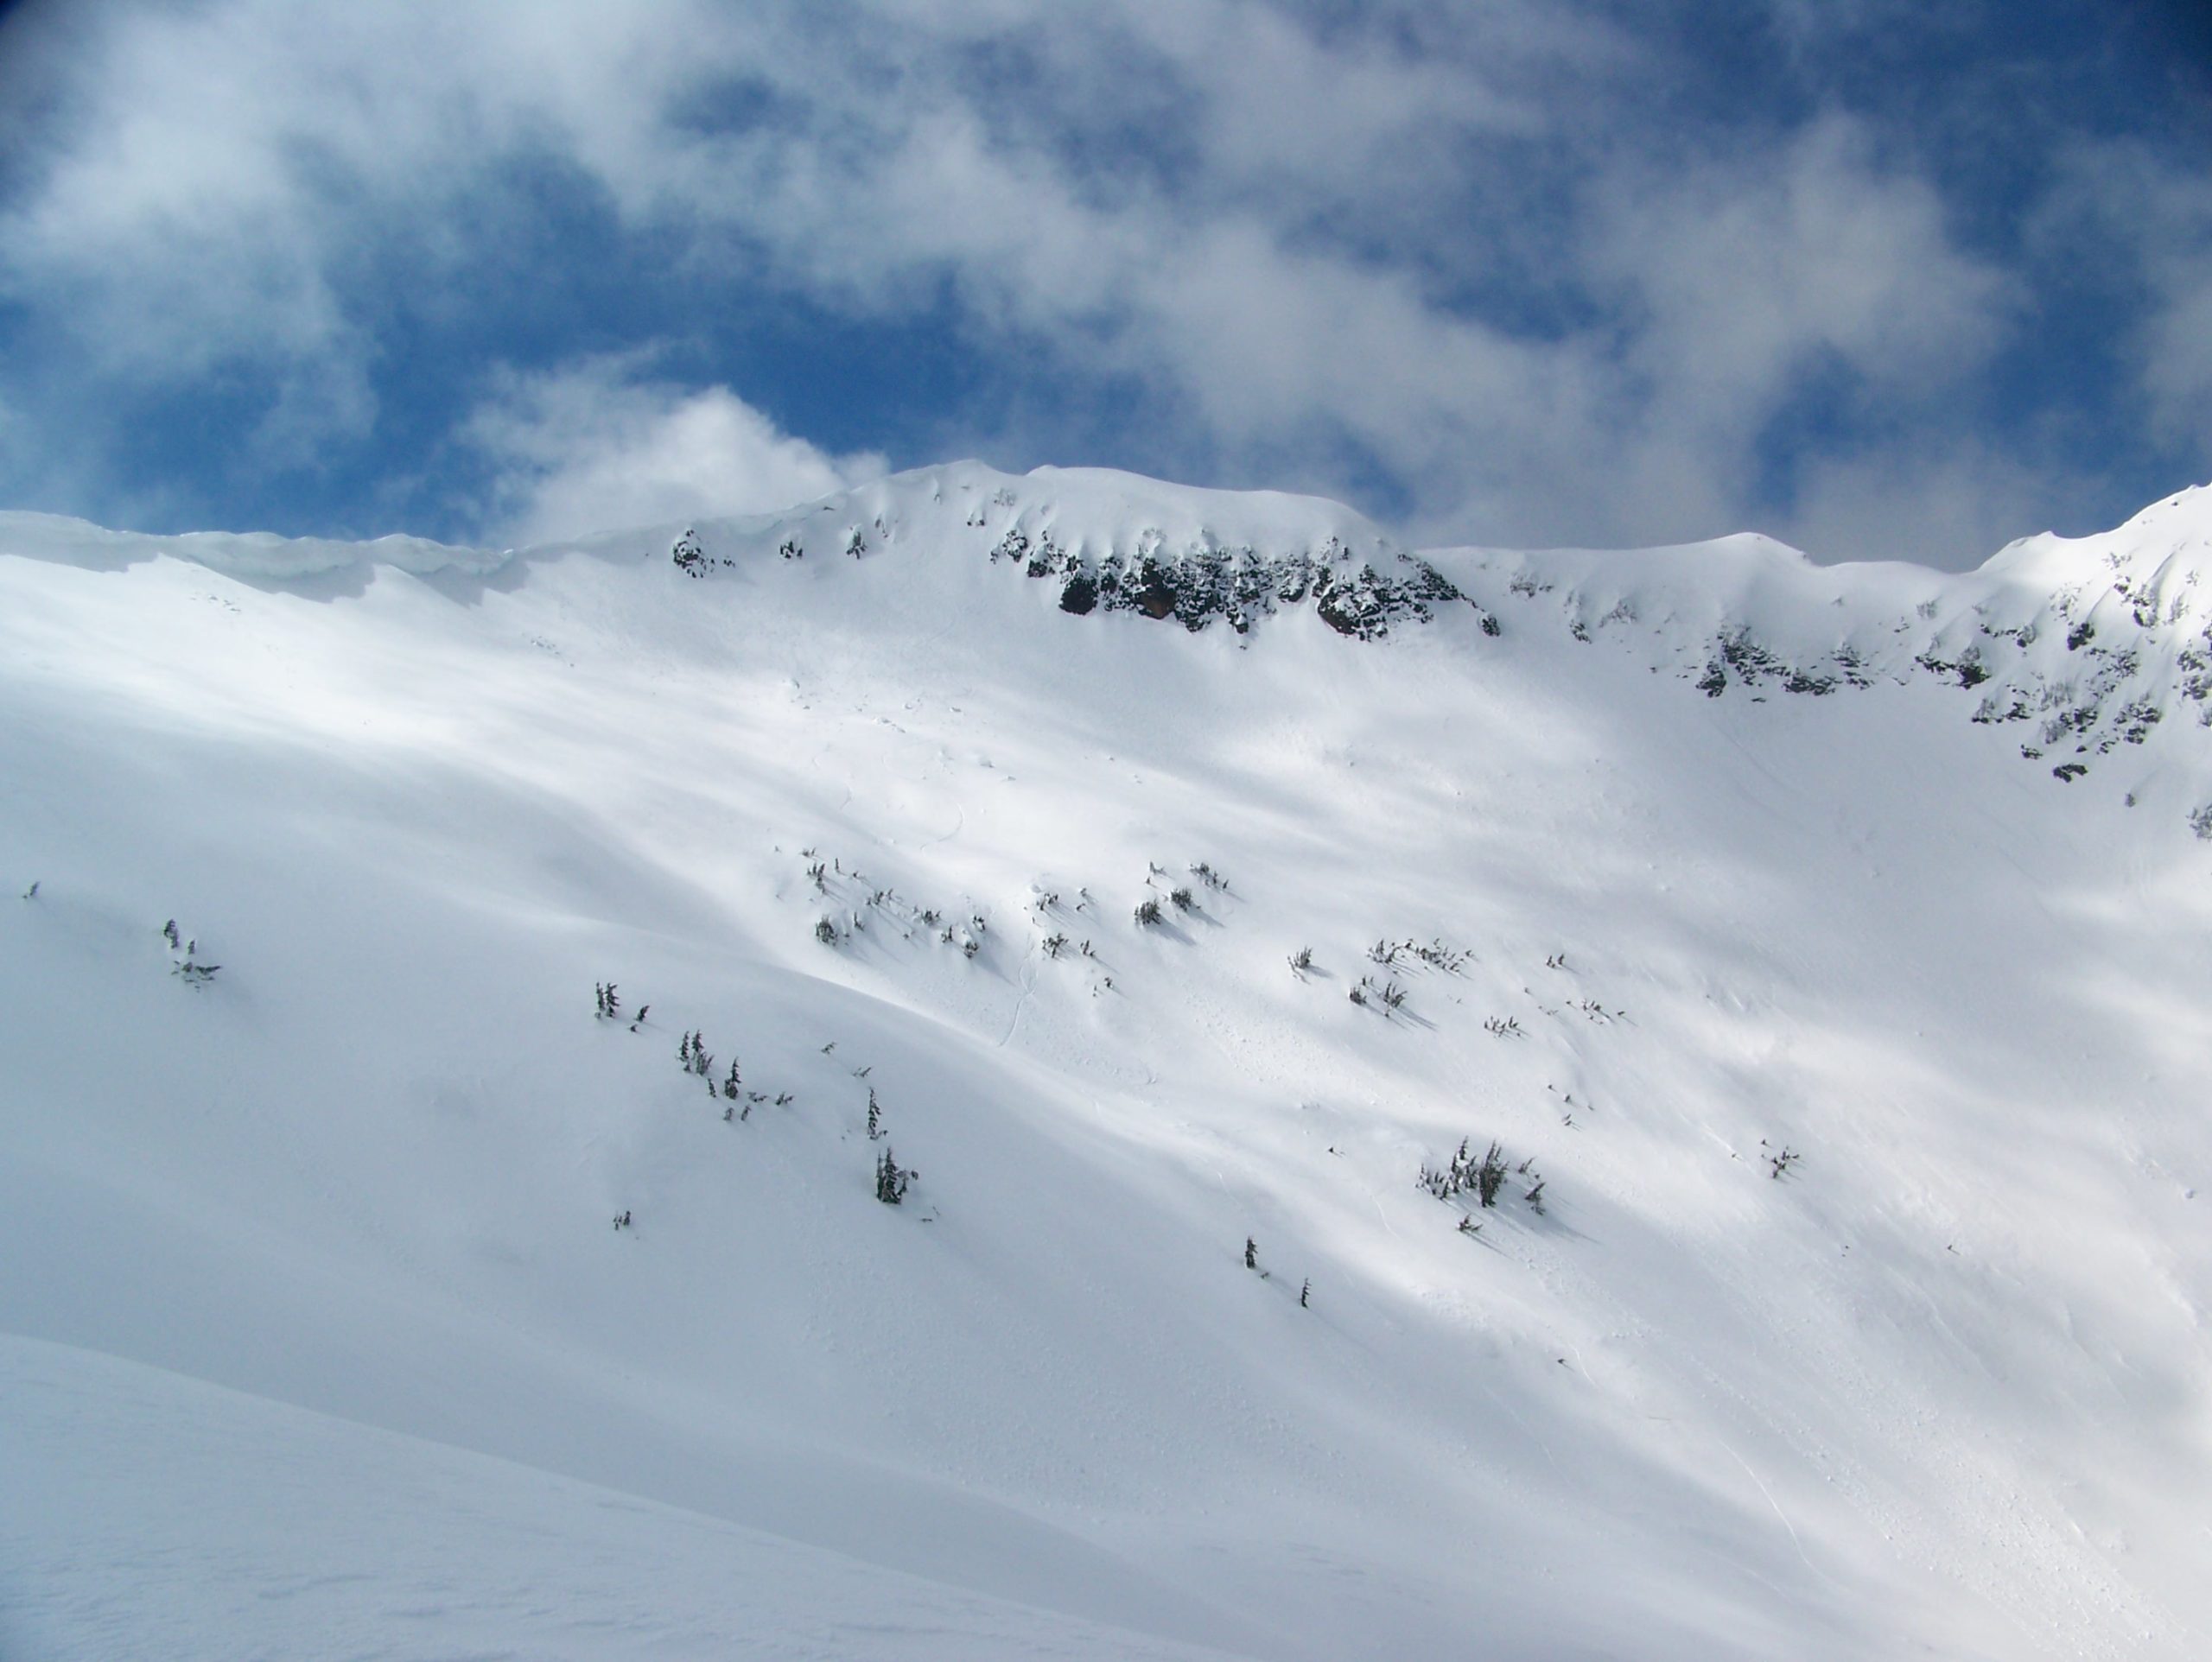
(1204, 585)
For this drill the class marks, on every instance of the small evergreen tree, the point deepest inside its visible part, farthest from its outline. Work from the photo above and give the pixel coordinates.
(1489, 1176)
(891, 1178)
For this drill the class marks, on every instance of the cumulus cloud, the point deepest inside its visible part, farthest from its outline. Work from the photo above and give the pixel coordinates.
(1470, 252)
(598, 446)
(1810, 278)
(1746, 268)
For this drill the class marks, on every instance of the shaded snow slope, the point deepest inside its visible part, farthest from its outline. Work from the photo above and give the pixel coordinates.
(337, 1221)
(161, 1516)
(259, 557)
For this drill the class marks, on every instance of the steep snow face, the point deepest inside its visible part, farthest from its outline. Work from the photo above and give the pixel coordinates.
(1843, 1293)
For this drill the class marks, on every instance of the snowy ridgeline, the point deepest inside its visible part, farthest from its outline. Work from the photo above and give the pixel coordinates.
(1468, 1110)
(2085, 644)
(2074, 647)
(2081, 646)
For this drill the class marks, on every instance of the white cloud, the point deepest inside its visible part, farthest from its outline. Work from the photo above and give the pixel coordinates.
(2173, 344)
(594, 447)
(1749, 270)
(2177, 350)
(2127, 218)
(1950, 505)
(1743, 283)
(1290, 262)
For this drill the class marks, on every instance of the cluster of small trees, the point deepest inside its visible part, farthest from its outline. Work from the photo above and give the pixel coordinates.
(891, 1178)
(829, 930)
(697, 1059)
(691, 1053)
(1485, 1177)
(1434, 954)
(610, 1006)
(187, 967)
(1462, 1172)
(1180, 896)
(1389, 994)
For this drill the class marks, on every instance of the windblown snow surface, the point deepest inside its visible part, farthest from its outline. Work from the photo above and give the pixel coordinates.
(1831, 943)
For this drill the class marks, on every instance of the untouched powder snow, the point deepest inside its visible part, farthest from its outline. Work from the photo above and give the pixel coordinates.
(1861, 1061)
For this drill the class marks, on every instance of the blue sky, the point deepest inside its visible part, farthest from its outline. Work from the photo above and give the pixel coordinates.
(1881, 279)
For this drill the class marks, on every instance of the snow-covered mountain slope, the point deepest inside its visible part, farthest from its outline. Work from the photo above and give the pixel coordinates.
(1861, 1063)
